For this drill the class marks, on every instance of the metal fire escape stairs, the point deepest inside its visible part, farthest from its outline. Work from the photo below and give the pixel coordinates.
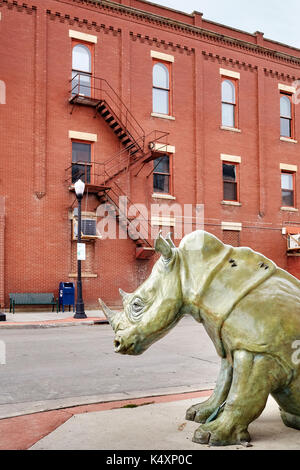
(138, 149)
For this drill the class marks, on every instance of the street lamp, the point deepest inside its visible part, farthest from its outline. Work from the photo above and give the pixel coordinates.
(80, 313)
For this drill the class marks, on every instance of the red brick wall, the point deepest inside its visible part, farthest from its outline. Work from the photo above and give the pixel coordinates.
(2, 250)
(35, 51)
(293, 266)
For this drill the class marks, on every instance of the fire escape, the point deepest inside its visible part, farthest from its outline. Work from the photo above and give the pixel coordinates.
(138, 149)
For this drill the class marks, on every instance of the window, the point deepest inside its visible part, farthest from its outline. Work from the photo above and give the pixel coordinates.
(81, 161)
(230, 182)
(162, 175)
(81, 69)
(288, 189)
(286, 121)
(161, 88)
(229, 103)
(231, 237)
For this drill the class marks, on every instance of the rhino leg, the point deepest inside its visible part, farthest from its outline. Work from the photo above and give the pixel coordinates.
(288, 399)
(201, 412)
(255, 376)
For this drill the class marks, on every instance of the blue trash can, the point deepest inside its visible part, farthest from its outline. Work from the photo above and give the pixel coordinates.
(66, 295)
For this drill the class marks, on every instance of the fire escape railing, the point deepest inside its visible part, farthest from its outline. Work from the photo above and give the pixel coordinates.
(102, 173)
(100, 176)
(138, 222)
(98, 90)
(113, 195)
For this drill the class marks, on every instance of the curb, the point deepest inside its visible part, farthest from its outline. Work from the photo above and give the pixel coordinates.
(30, 408)
(52, 323)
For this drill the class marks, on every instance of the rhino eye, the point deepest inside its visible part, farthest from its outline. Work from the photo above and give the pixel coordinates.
(137, 307)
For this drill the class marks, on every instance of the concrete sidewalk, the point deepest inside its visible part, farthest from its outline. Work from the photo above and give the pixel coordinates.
(159, 426)
(155, 423)
(50, 319)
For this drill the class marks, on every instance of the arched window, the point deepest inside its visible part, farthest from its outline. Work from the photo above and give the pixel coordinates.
(161, 89)
(81, 70)
(228, 103)
(285, 116)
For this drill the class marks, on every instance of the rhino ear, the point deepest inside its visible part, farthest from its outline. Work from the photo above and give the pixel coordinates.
(170, 241)
(163, 247)
(123, 294)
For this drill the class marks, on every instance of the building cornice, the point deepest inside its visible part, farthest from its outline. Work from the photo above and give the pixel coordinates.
(17, 6)
(82, 22)
(171, 24)
(180, 26)
(161, 43)
(241, 65)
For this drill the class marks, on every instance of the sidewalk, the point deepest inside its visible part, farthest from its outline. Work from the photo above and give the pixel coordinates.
(50, 319)
(155, 423)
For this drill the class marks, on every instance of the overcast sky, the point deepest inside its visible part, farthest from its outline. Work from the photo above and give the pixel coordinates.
(278, 19)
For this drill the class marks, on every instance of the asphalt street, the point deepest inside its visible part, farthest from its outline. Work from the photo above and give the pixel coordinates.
(56, 367)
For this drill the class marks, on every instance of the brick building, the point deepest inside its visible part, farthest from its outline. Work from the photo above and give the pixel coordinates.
(146, 102)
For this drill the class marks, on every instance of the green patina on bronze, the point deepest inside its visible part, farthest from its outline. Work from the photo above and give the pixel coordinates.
(249, 307)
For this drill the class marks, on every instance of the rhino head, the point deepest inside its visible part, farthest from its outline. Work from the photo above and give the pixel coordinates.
(153, 309)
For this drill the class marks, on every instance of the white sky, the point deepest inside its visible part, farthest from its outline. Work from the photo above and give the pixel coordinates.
(279, 20)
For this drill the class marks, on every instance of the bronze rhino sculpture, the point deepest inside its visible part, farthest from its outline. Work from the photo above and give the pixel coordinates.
(249, 307)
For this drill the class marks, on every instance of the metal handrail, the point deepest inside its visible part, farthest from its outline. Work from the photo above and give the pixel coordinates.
(108, 169)
(114, 165)
(104, 92)
(147, 138)
(119, 193)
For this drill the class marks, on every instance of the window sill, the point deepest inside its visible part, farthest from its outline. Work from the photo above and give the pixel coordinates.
(232, 129)
(231, 203)
(290, 209)
(163, 196)
(287, 139)
(163, 116)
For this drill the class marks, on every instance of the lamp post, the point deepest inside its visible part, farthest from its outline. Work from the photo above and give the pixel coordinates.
(80, 313)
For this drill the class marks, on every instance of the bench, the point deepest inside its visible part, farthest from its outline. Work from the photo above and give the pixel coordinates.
(32, 299)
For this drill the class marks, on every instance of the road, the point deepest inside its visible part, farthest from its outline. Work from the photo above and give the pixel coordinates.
(57, 367)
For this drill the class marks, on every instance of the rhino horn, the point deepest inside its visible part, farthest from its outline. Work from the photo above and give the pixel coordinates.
(170, 241)
(123, 294)
(110, 315)
(163, 247)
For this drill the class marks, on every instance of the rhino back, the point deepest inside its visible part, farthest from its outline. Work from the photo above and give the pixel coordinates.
(243, 272)
(267, 320)
(237, 275)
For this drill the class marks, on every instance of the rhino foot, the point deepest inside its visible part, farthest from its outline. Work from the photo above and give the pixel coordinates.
(199, 413)
(216, 435)
(202, 411)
